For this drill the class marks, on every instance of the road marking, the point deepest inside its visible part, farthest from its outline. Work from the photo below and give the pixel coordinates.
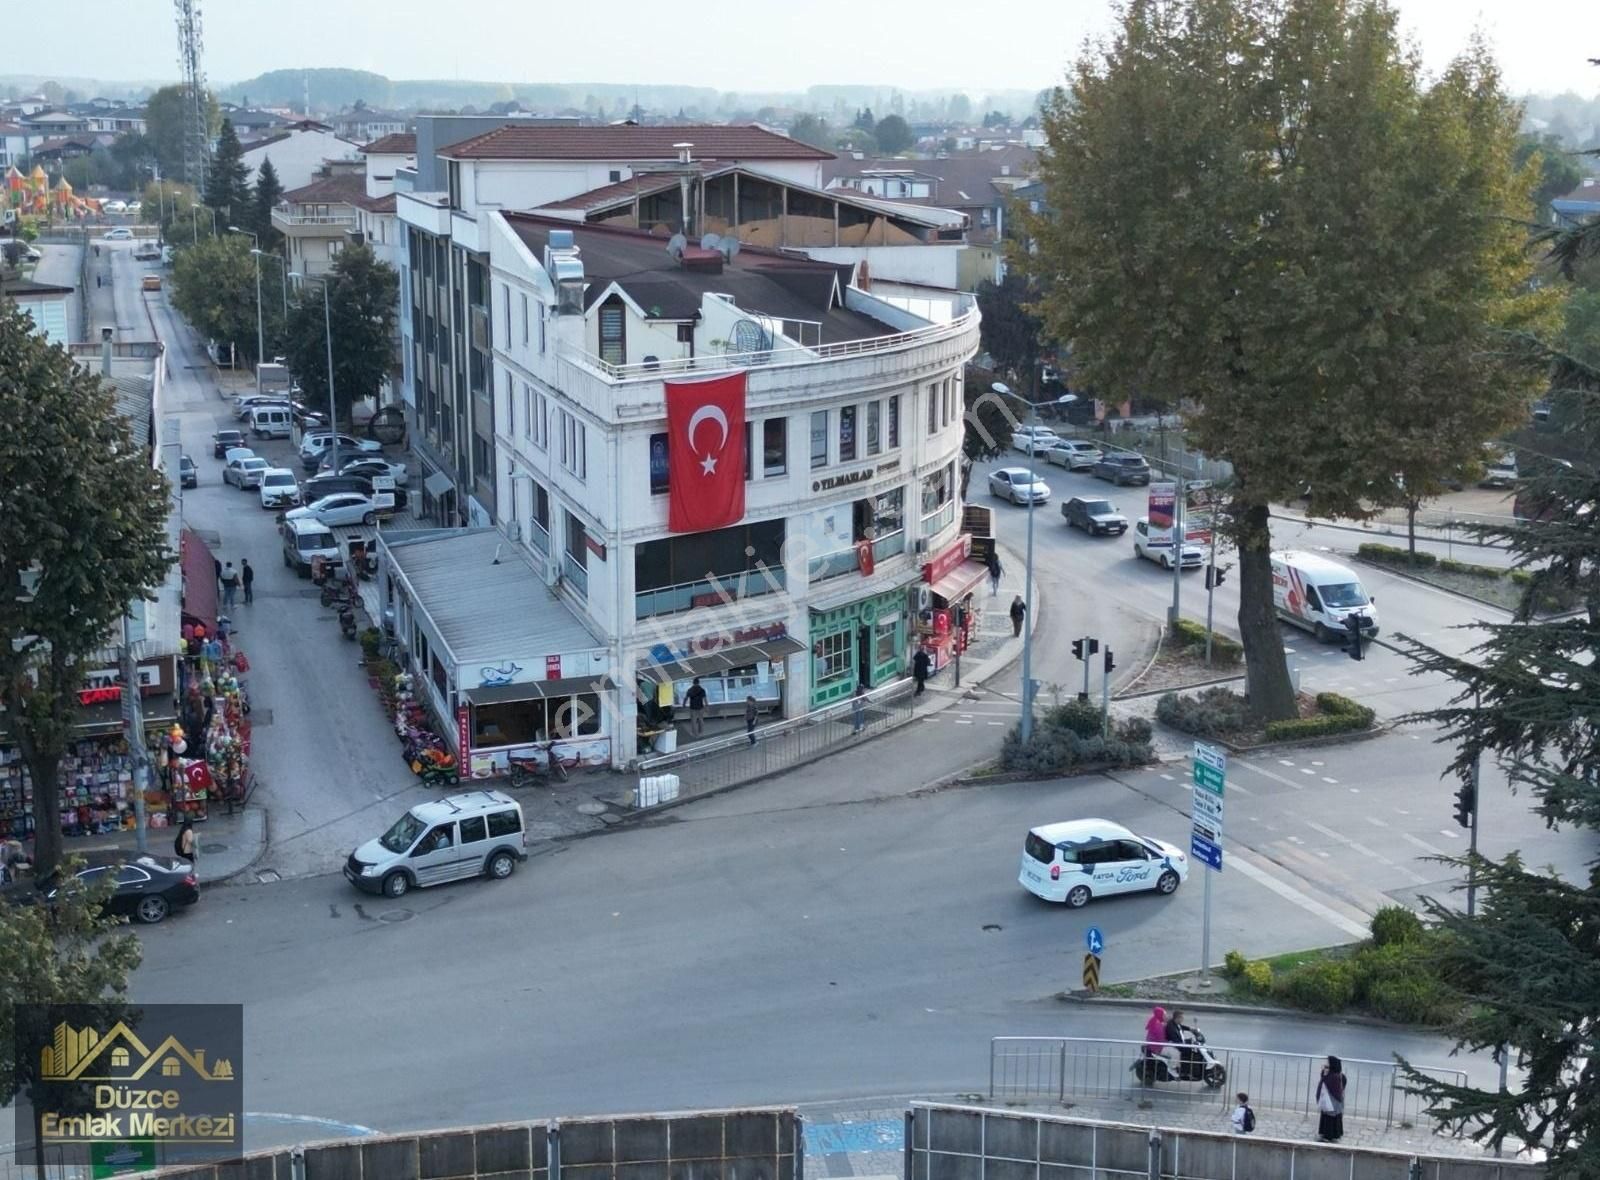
(1296, 840)
(994, 722)
(1341, 838)
(963, 721)
(1448, 832)
(1330, 781)
(1319, 764)
(1284, 762)
(1355, 790)
(1274, 776)
(1375, 822)
(1430, 849)
(1307, 770)
(1291, 894)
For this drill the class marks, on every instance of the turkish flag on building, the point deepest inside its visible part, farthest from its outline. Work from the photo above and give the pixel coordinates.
(705, 449)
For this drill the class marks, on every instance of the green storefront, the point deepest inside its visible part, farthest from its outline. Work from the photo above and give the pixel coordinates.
(863, 640)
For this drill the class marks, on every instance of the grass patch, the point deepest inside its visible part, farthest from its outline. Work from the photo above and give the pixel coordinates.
(1485, 583)
(1221, 713)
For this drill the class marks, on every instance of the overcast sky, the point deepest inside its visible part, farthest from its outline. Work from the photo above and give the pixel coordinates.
(758, 45)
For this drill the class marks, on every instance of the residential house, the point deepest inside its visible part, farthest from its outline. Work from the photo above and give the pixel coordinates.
(851, 524)
(16, 145)
(298, 152)
(366, 124)
(56, 122)
(119, 120)
(1580, 205)
(70, 147)
(44, 303)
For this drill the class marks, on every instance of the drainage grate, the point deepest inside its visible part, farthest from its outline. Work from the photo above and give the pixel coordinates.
(268, 876)
(397, 916)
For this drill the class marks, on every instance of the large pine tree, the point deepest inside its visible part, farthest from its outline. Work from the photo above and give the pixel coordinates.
(1530, 696)
(227, 178)
(269, 191)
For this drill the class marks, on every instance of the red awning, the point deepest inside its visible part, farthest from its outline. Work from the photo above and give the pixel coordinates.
(958, 583)
(199, 581)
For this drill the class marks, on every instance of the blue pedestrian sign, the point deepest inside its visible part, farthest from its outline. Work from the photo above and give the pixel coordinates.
(1205, 851)
(1094, 940)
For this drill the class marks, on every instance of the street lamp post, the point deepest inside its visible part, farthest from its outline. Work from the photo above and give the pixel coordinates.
(327, 335)
(1026, 721)
(261, 347)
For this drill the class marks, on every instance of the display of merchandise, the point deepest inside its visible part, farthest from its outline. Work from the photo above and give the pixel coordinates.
(96, 785)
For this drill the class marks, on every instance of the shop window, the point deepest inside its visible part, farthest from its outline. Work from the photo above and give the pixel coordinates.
(885, 649)
(440, 680)
(473, 830)
(894, 421)
(774, 446)
(510, 723)
(819, 439)
(660, 476)
(576, 547)
(833, 657)
(847, 433)
(541, 505)
(575, 716)
(874, 427)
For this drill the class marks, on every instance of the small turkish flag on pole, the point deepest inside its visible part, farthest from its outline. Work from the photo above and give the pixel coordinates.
(705, 453)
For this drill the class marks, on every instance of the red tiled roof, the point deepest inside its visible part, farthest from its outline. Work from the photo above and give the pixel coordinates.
(349, 188)
(712, 142)
(403, 143)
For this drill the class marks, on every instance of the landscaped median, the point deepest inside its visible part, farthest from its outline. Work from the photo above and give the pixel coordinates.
(1494, 585)
(1070, 739)
(1220, 714)
(1390, 976)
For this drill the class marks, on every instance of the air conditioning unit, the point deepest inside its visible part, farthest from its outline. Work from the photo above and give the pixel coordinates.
(924, 597)
(514, 530)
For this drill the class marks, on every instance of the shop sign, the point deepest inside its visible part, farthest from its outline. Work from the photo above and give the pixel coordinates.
(1162, 505)
(848, 479)
(463, 736)
(105, 684)
(663, 653)
(948, 558)
(552, 667)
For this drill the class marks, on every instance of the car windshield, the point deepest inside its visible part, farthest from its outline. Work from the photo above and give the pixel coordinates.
(278, 479)
(403, 834)
(254, 464)
(1098, 507)
(1345, 594)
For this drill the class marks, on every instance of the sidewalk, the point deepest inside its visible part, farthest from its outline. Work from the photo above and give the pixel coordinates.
(229, 844)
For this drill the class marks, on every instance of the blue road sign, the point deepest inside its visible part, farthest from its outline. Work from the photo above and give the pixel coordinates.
(1094, 940)
(1206, 851)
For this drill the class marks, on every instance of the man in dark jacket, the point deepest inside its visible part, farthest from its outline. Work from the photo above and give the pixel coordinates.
(921, 665)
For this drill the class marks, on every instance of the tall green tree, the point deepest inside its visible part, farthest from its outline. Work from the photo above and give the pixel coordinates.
(362, 293)
(165, 113)
(214, 286)
(893, 134)
(1559, 169)
(1529, 696)
(82, 535)
(227, 179)
(63, 953)
(1259, 207)
(268, 192)
(812, 129)
(1011, 328)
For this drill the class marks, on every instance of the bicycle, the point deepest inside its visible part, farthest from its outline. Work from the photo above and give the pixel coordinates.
(528, 772)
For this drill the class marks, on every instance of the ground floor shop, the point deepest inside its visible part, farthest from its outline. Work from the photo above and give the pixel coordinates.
(863, 642)
(950, 603)
(743, 666)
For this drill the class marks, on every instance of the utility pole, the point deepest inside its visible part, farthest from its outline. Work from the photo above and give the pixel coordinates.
(133, 723)
(1026, 722)
(1178, 548)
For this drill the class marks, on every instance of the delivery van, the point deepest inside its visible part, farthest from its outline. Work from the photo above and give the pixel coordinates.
(475, 834)
(1317, 595)
(306, 540)
(271, 421)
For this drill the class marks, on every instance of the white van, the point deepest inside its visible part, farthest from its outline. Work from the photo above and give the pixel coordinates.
(271, 422)
(1312, 592)
(475, 834)
(306, 538)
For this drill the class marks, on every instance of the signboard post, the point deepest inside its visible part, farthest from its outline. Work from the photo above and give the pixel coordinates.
(1205, 836)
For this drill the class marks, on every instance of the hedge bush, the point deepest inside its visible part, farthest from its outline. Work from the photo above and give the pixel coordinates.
(1080, 717)
(1233, 964)
(1298, 729)
(1258, 977)
(1212, 712)
(1056, 747)
(1396, 925)
(1487, 572)
(1328, 986)
(1342, 706)
(1394, 555)
(1187, 633)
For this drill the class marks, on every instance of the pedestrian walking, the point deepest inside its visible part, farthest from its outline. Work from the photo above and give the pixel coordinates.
(994, 572)
(217, 561)
(230, 584)
(921, 665)
(1019, 615)
(1330, 1101)
(750, 719)
(1244, 1119)
(858, 708)
(695, 698)
(186, 846)
(247, 579)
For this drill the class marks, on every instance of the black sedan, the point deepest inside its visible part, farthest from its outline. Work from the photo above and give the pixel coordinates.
(223, 440)
(148, 888)
(1094, 517)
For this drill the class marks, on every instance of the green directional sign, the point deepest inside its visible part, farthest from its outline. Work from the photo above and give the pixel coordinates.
(1210, 768)
(121, 1159)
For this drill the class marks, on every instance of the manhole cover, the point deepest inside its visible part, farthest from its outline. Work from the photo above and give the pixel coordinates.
(268, 876)
(591, 808)
(610, 818)
(212, 849)
(396, 916)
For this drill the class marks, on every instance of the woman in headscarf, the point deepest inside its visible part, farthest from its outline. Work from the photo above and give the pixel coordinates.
(1155, 1038)
(1330, 1101)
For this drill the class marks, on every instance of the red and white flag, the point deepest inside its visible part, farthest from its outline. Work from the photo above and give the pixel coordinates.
(705, 453)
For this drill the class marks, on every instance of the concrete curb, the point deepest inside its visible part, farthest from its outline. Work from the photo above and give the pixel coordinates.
(1424, 532)
(1273, 1013)
(1416, 581)
(256, 857)
(1143, 694)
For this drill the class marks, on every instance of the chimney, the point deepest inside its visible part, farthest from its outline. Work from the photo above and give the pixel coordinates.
(685, 152)
(106, 335)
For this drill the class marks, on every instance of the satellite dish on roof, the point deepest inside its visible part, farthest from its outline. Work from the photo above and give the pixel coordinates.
(710, 242)
(752, 339)
(676, 246)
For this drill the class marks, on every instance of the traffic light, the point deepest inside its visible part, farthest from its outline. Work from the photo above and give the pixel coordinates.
(1094, 646)
(1077, 649)
(1083, 648)
(1352, 624)
(1466, 804)
(1215, 576)
(1110, 663)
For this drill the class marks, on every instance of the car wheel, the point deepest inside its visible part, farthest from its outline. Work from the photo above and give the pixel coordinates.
(396, 885)
(1167, 882)
(1322, 634)
(370, 518)
(502, 865)
(1078, 896)
(1166, 562)
(151, 910)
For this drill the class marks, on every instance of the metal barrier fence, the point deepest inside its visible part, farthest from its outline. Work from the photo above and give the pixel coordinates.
(1058, 1068)
(722, 762)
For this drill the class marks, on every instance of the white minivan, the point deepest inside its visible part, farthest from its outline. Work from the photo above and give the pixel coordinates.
(475, 834)
(271, 422)
(1318, 595)
(305, 540)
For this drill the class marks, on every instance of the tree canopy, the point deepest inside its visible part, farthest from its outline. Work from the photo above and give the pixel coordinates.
(164, 117)
(1011, 329)
(362, 293)
(82, 535)
(268, 192)
(228, 180)
(893, 134)
(1261, 211)
(214, 286)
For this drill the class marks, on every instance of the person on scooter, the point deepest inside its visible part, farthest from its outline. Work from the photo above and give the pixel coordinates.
(1175, 1033)
(1155, 1039)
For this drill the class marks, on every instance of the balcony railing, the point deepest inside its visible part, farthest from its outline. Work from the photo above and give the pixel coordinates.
(313, 218)
(833, 565)
(777, 357)
(707, 592)
(575, 575)
(936, 522)
(889, 545)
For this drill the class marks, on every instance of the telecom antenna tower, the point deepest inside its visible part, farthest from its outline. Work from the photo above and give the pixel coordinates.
(196, 125)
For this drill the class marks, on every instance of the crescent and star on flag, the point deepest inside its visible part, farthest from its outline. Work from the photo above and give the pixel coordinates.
(708, 461)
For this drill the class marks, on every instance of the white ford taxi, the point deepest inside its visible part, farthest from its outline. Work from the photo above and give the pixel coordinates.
(1086, 858)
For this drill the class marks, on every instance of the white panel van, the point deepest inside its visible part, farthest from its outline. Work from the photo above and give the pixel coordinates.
(271, 422)
(1316, 594)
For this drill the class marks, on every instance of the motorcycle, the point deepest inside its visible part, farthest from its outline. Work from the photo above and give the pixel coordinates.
(347, 622)
(1196, 1063)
